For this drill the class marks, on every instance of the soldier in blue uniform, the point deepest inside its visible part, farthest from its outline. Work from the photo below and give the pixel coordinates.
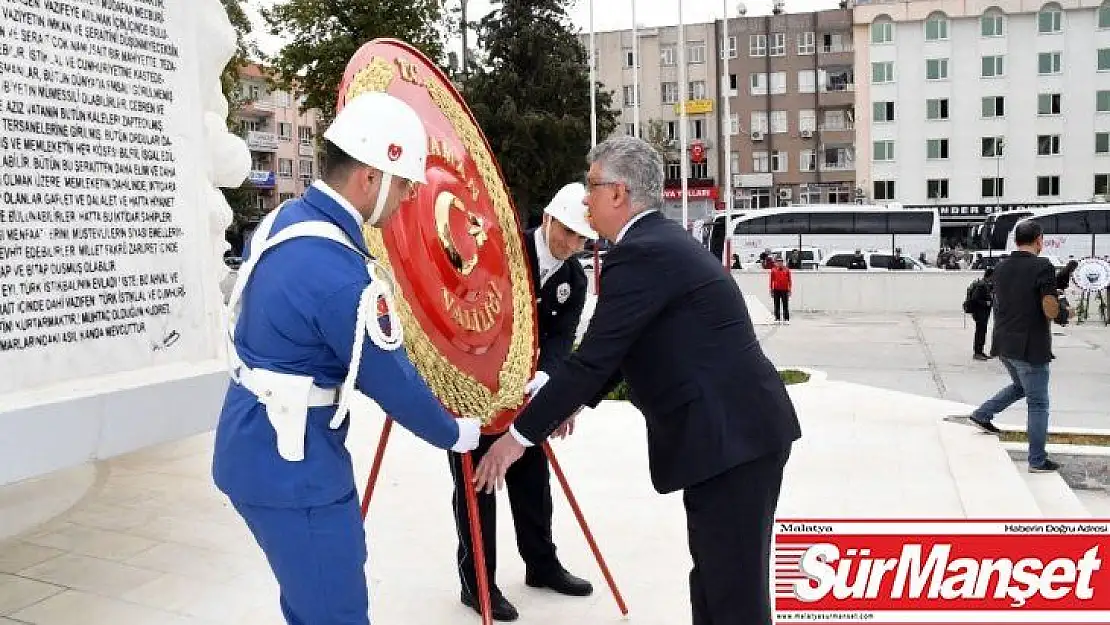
(560, 286)
(312, 320)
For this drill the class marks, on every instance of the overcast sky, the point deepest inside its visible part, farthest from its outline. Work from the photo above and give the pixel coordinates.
(608, 14)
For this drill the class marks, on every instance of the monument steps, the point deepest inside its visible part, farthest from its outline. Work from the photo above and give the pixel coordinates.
(1055, 498)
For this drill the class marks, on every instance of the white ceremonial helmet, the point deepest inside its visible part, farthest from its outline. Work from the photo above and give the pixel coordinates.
(567, 206)
(382, 131)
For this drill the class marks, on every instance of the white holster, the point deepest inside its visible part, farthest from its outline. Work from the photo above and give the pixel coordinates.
(287, 397)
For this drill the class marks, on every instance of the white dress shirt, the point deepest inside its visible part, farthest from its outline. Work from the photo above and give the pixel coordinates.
(635, 218)
(545, 260)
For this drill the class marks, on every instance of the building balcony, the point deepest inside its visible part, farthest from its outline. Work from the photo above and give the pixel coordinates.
(258, 109)
(837, 96)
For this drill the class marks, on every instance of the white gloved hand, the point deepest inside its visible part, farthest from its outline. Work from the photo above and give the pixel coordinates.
(536, 383)
(469, 432)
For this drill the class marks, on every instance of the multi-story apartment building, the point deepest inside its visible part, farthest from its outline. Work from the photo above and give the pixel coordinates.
(791, 84)
(661, 97)
(281, 139)
(991, 103)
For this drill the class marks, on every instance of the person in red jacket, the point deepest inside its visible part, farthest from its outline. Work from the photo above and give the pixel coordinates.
(781, 285)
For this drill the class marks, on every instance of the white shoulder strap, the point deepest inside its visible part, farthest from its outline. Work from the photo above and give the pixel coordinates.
(261, 242)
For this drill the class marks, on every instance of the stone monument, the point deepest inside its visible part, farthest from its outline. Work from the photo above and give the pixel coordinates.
(113, 146)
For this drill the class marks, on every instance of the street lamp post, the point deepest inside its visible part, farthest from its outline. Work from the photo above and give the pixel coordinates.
(635, 74)
(726, 126)
(684, 94)
(593, 81)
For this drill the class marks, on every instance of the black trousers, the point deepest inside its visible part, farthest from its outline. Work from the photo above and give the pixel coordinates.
(529, 484)
(980, 316)
(784, 298)
(730, 519)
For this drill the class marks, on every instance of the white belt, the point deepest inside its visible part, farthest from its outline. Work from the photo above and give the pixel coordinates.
(261, 387)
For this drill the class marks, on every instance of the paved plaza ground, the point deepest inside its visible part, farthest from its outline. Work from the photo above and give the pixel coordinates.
(145, 539)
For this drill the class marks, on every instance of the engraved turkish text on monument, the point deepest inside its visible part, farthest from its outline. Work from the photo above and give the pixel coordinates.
(91, 231)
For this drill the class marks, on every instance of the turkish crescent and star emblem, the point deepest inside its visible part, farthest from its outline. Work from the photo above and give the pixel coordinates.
(463, 292)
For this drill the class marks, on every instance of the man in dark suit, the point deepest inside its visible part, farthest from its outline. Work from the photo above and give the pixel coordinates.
(560, 286)
(720, 423)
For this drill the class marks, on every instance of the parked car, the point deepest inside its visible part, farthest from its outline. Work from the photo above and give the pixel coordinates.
(876, 261)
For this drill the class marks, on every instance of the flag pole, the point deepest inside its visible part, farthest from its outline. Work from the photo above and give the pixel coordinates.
(593, 81)
(684, 94)
(635, 73)
(726, 125)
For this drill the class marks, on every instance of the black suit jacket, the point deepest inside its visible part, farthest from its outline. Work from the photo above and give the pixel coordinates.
(673, 322)
(559, 304)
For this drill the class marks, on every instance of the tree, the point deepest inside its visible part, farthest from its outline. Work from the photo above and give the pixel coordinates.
(242, 199)
(660, 139)
(531, 96)
(323, 35)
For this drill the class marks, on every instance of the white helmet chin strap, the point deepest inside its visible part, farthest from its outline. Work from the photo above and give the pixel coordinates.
(383, 194)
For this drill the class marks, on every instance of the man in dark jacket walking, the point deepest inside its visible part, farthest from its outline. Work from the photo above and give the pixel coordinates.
(980, 298)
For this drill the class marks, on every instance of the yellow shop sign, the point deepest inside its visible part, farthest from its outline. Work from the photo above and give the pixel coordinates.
(695, 107)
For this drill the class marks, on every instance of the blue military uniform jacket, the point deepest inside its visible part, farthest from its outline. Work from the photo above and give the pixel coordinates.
(298, 316)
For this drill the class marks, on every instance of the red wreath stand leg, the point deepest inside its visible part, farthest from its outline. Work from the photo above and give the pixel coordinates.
(476, 527)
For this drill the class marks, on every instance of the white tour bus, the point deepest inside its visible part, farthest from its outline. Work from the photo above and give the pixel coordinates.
(1071, 231)
(833, 227)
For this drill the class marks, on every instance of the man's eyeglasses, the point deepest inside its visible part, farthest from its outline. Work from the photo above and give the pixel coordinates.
(591, 185)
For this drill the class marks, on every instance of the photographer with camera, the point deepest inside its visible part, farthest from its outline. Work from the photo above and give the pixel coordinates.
(1027, 302)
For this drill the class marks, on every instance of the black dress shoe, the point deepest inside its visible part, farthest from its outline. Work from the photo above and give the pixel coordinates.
(500, 608)
(561, 582)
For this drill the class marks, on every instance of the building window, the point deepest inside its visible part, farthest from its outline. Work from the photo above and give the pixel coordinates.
(670, 93)
(672, 130)
(807, 43)
(1102, 143)
(779, 122)
(1104, 16)
(759, 121)
(994, 106)
(306, 168)
(285, 167)
(629, 57)
(305, 134)
(993, 187)
(759, 84)
(936, 149)
(1048, 104)
(695, 53)
(883, 111)
(778, 83)
(631, 93)
(761, 162)
(697, 129)
(937, 189)
(992, 66)
(630, 130)
(778, 44)
(667, 56)
(807, 81)
(1048, 145)
(1102, 101)
(1049, 63)
(807, 160)
(1102, 184)
(936, 108)
(734, 162)
(992, 146)
(1048, 186)
(882, 72)
(779, 161)
(699, 171)
(733, 123)
(884, 190)
(882, 151)
(697, 90)
(757, 45)
(991, 25)
(285, 131)
(807, 120)
(882, 32)
(728, 47)
(1049, 20)
(936, 28)
(936, 69)
(836, 42)
(1103, 59)
(674, 170)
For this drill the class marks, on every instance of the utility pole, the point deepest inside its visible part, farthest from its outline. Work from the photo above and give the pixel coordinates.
(465, 66)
